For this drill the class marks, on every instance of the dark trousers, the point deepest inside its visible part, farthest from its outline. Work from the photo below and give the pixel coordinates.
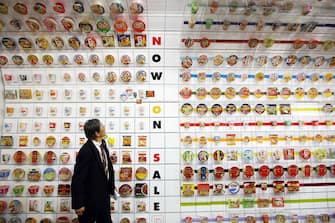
(91, 217)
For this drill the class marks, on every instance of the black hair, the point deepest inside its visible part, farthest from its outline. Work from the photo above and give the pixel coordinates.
(91, 127)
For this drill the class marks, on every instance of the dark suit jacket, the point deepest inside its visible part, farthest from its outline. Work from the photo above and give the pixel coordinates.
(90, 187)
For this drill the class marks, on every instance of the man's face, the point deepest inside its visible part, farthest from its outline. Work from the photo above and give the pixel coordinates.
(102, 131)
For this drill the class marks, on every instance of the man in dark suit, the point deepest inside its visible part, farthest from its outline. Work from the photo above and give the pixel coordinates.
(93, 178)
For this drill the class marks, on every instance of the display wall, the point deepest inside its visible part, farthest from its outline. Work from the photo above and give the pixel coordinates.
(215, 111)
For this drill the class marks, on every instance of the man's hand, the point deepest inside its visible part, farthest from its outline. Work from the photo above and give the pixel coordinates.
(80, 211)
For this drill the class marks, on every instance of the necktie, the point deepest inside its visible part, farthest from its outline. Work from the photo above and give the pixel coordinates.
(103, 159)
